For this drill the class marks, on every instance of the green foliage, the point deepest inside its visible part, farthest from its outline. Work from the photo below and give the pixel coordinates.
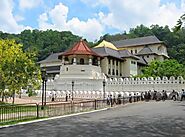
(166, 68)
(43, 42)
(17, 68)
(180, 22)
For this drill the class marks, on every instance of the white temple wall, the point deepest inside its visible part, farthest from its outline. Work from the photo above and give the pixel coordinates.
(93, 88)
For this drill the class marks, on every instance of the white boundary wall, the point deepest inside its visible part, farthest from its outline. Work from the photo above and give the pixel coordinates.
(93, 88)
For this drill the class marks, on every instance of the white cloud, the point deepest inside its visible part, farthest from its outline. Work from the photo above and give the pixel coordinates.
(29, 4)
(124, 14)
(19, 18)
(8, 22)
(90, 29)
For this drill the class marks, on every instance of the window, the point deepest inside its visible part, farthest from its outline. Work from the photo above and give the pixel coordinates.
(147, 56)
(136, 51)
(113, 61)
(131, 52)
(117, 72)
(116, 62)
(109, 61)
(109, 71)
(113, 73)
(133, 62)
(66, 59)
(82, 61)
(95, 61)
(66, 69)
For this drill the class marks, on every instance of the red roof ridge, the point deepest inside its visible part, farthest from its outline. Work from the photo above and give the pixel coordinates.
(80, 48)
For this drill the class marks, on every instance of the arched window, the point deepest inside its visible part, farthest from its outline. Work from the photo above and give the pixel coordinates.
(131, 51)
(161, 48)
(66, 59)
(82, 61)
(95, 61)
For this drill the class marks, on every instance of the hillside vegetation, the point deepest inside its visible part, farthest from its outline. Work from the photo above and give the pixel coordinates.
(46, 42)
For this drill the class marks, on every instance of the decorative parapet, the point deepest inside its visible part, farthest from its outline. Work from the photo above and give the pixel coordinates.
(119, 84)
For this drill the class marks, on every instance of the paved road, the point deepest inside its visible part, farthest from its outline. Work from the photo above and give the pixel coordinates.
(150, 119)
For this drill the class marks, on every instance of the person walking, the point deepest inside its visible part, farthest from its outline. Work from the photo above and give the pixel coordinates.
(130, 98)
(163, 95)
(108, 100)
(183, 95)
(174, 95)
(111, 100)
(66, 97)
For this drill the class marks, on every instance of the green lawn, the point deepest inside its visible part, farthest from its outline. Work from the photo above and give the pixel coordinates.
(5, 109)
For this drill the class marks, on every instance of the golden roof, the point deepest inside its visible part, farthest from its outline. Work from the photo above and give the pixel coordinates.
(106, 44)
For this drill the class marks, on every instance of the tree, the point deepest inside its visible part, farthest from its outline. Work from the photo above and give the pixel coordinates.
(180, 22)
(17, 68)
(166, 68)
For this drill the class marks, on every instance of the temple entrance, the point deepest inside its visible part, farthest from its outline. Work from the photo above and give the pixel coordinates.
(81, 61)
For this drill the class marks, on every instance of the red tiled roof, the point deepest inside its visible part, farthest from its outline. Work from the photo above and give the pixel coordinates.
(80, 48)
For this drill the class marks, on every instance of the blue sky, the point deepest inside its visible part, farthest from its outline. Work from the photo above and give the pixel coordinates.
(88, 18)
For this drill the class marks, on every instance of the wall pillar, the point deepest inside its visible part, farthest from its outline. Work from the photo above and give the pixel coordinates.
(119, 68)
(74, 61)
(115, 67)
(63, 60)
(98, 61)
(110, 66)
(90, 61)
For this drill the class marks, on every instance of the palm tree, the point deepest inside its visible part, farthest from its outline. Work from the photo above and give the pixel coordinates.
(180, 23)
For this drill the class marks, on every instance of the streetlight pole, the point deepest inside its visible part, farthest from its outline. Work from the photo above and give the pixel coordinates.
(72, 89)
(43, 74)
(104, 88)
(45, 89)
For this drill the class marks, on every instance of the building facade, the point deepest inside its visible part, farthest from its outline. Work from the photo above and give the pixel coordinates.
(124, 58)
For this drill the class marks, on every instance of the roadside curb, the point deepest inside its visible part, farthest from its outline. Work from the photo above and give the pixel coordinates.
(46, 119)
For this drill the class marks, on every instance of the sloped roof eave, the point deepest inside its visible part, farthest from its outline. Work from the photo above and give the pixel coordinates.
(135, 45)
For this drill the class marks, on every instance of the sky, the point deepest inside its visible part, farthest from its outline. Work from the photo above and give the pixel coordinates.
(87, 18)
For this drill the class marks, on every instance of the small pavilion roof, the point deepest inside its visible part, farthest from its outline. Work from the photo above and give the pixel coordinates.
(80, 48)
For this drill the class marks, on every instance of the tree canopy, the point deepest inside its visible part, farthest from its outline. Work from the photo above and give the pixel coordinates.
(45, 42)
(17, 68)
(180, 23)
(166, 68)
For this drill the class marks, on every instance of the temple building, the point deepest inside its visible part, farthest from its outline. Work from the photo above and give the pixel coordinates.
(80, 62)
(124, 58)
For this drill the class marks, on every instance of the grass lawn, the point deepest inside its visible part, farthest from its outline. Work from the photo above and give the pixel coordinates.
(5, 109)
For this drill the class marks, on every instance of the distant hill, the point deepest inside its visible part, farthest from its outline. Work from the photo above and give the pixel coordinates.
(43, 42)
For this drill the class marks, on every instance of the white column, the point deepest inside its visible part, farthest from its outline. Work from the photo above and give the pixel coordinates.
(90, 60)
(63, 60)
(74, 61)
(115, 67)
(98, 61)
(118, 68)
(110, 66)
